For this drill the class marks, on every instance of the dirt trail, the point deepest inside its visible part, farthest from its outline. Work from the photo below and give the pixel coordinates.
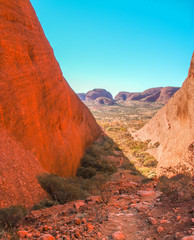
(134, 210)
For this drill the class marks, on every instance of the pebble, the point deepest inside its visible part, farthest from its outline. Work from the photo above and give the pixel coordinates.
(152, 220)
(90, 227)
(79, 204)
(22, 234)
(179, 235)
(133, 205)
(77, 221)
(46, 237)
(118, 236)
(146, 193)
(188, 238)
(164, 221)
(160, 229)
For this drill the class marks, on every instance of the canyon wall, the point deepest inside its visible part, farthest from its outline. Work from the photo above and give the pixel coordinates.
(173, 128)
(38, 109)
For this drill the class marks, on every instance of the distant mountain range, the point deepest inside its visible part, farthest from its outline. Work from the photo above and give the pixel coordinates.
(102, 96)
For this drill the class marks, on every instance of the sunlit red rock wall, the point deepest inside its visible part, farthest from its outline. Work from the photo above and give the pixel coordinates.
(18, 171)
(173, 128)
(37, 105)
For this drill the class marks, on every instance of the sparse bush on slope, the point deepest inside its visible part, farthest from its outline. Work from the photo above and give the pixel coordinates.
(9, 217)
(61, 189)
(93, 161)
(177, 188)
(93, 164)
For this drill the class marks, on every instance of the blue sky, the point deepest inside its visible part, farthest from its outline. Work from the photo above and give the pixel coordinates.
(120, 45)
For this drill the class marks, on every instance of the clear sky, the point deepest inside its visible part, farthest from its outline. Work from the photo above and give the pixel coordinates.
(120, 45)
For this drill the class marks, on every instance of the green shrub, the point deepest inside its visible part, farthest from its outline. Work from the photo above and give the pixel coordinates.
(152, 175)
(61, 189)
(9, 217)
(177, 188)
(94, 161)
(86, 172)
(126, 165)
(44, 204)
(150, 163)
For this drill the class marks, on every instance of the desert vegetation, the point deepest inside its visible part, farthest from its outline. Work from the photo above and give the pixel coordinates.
(95, 169)
(119, 122)
(10, 218)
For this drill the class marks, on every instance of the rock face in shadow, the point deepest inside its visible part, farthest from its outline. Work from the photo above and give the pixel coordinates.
(104, 101)
(37, 106)
(96, 93)
(122, 96)
(173, 128)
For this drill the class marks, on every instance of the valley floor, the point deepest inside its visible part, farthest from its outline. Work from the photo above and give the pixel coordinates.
(130, 205)
(129, 209)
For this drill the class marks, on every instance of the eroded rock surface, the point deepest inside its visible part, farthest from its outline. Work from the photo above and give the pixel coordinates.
(173, 128)
(18, 171)
(37, 106)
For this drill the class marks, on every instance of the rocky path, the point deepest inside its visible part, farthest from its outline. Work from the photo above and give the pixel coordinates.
(127, 209)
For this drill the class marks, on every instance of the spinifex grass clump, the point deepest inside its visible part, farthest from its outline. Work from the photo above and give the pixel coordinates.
(9, 217)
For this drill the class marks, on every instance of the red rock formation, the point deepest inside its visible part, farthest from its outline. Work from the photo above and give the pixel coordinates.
(37, 105)
(166, 93)
(151, 91)
(104, 101)
(122, 96)
(96, 93)
(143, 95)
(18, 171)
(136, 97)
(159, 94)
(152, 97)
(173, 128)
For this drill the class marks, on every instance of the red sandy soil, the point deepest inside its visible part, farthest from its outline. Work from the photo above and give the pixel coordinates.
(134, 211)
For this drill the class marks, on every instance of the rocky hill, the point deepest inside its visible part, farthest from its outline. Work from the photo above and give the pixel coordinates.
(45, 126)
(122, 96)
(104, 101)
(166, 93)
(160, 94)
(172, 128)
(96, 93)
